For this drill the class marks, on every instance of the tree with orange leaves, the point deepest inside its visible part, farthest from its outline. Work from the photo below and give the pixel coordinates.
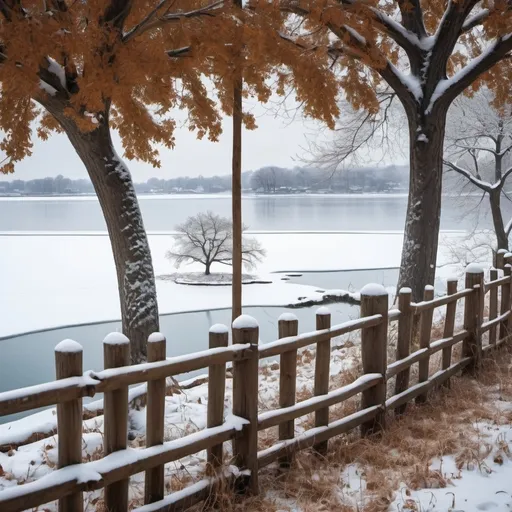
(85, 68)
(427, 52)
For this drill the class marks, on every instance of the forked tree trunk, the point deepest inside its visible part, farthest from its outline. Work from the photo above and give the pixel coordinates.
(114, 187)
(497, 219)
(419, 253)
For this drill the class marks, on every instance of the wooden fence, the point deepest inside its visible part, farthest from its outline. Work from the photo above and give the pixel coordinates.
(67, 483)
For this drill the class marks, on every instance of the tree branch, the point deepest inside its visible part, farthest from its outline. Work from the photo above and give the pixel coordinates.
(499, 50)
(480, 184)
(152, 21)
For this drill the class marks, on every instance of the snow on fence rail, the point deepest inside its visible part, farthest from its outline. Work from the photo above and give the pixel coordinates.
(113, 471)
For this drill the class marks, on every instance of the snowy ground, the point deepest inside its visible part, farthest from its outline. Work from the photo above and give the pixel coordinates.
(471, 475)
(51, 281)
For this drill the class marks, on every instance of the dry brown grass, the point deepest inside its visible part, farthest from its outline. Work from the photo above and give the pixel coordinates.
(404, 452)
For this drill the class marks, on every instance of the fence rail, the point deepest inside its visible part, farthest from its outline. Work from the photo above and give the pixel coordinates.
(67, 483)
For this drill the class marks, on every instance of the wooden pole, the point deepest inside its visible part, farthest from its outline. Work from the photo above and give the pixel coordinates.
(116, 353)
(245, 402)
(425, 333)
(155, 422)
(403, 347)
(322, 373)
(218, 337)
(288, 325)
(473, 314)
(374, 300)
(236, 181)
(68, 363)
(449, 326)
(493, 306)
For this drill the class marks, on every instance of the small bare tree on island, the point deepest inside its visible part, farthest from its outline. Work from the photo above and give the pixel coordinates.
(207, 238)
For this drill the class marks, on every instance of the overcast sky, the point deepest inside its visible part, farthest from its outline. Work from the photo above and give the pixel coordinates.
(278, 140)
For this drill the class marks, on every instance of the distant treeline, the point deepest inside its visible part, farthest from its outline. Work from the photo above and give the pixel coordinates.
(267, 180)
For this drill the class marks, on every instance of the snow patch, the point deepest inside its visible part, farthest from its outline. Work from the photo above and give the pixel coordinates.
(429, 288)
(156, 337)
(323, 311)
(245, 322)
(116, 338)
(219, 329)
(373, 290)
(474, 268)
(287, 317)
(405, 289)
(68, 346)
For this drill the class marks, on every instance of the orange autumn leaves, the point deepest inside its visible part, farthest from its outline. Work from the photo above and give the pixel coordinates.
(134, 62)
(136, 65)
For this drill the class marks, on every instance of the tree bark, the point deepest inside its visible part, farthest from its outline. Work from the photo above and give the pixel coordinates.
(497, 219)
(419, 253)
(207, 269)
(114, 187)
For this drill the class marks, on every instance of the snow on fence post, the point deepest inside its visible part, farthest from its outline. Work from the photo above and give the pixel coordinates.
(217, 337)
(68, 363)
(288, 325)
(473, 316)
(449, 326)
(245, 330)
(403, 346)
(424, 340)
(322, 373)
(116, 353)
(374, 301)
(493, 305)
(505, 302)
(155, 414)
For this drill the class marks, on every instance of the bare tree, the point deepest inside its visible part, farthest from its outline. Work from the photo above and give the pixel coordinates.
(479, 148)
(207, 238)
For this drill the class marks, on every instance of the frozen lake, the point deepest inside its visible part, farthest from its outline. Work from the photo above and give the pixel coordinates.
(51, 281)
(293, 212)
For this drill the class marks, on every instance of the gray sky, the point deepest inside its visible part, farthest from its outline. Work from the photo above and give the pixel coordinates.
(277, 141)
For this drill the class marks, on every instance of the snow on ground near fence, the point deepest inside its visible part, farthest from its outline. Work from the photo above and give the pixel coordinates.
(53, 281)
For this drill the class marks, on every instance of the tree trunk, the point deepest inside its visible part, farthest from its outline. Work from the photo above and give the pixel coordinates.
(497, 219)
(114, 187)
(419, 253)
(207, 269)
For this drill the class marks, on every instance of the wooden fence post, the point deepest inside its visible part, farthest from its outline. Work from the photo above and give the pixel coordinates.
(374, 340)
(245, 401)
(505, 302)
(403, 346)
(155, 414)
(116, 353)
(473, 314)
(218, 337)
(449, 326)
(493, 305)
(322, 373)
(288, 325)
(508, 265)
(500, 259)
(68, 363)
(425, 333)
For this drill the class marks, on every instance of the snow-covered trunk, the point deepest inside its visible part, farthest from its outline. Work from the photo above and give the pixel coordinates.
(497, 219)
(422, 222)
(114, 187)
